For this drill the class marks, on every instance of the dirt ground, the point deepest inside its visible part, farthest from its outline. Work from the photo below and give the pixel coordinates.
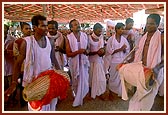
(114, 105)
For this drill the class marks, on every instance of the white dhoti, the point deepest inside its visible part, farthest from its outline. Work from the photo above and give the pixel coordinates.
(107, 61)
(114, 80)
(48, 107)
(143, 98)
(97, 79)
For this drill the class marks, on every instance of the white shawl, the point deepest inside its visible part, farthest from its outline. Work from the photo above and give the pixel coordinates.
(74, 61)
(100, 38)
(154, 50)
(28, 62)
(59, 38)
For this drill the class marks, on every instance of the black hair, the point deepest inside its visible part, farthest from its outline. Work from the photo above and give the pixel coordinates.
(119, 25)
(36, 18)
(97, 26)
(70, 23)
(53, 22)
(6, 26)
(129, 20)
(156, 17)
(22, 24)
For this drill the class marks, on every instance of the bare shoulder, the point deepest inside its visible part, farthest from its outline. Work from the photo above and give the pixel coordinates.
(23, 41)
(23, 47)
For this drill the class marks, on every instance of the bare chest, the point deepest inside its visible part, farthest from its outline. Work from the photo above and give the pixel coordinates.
(42, 42)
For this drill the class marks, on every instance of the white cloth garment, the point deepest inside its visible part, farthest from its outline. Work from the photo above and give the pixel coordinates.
(79, 68)
(143, 98)
(130, 32)
(161, 87)
(113, 44)
(114, 80)
(133, 74)
(61, 58)
(97, 77)
(8, 61)
(107, 56)
(146, 102)
(106, 59)
(37, 60)
(154, 50)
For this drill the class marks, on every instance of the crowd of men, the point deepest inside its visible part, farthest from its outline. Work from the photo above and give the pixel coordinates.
(92, 61)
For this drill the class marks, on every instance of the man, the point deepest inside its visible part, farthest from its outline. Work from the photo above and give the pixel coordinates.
(118, 47)
(8, 62)
(107, 57)
(97, 79)
(55, 35)
(110, 28)
(38, 55)
(8, 55)
(148, 55)
(129, 34)
(26, 31)
(145, 49)
(76, 45)
(149, 52)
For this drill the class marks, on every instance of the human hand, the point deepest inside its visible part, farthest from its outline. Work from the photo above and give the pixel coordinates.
(10, 90)
(81, 51)
(123, 48)
(57, 48)
(86, 52)
(101, 52)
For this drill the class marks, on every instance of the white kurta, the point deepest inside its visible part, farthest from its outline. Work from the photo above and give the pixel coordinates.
(97, 75)
(114, 80)
(79, 68)
(37, 60)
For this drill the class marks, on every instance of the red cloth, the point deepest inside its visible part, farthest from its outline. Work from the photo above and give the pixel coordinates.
(58, 88)
(147, 72)
(19, 42)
